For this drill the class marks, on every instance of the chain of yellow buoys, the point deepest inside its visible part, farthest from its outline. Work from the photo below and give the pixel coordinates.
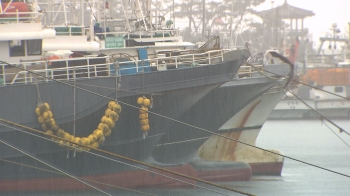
(48, 124)
(145, 103)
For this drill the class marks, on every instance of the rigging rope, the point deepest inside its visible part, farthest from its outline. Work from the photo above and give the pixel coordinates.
(49, 165)
(84, 147)
(337, 135)
(322, 117)
(202, 129)
(114, 161)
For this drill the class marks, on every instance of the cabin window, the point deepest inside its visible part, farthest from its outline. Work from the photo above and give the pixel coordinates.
(34, 47)
(338, 89)
(16, 48)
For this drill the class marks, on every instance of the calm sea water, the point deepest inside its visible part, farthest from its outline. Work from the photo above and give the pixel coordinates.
(309, 141)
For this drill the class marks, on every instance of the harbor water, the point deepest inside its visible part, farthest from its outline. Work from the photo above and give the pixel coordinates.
(309, 141)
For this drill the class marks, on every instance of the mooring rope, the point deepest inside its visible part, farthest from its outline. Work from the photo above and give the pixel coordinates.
(205, 130)
(125, 158)
(49, 165)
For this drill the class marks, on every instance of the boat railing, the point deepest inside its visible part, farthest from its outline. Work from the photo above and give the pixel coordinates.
(92, 67)
(10, 17)
(249, 71)
(68, 30)
(166, 34)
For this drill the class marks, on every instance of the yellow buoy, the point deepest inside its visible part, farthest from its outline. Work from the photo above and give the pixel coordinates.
(143, 116)
(117, 108)
(94, 145)
(47, 106)
(145, 128)
(98, 134)
(140, 100)
(41, 120)
(101, 139)
(37, 112)
(43, 127)
(114, 116)
(77, 140)
(107, 111)
(55, 128)
(143, 110)
(49, 132)
(146, 102)
(66, 136)
(110, 123)
(92, 138)
(103, 119)
(102, 126)
(107, 133)
(46, 116)
(50, 123)
(144, 122)
(50, 114)
(60, 133)
(85, 141)
(43, 108)
(89, 141)
(110, 104)
(62, 143)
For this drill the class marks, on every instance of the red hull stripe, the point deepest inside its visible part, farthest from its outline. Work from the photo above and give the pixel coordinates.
(128, 179)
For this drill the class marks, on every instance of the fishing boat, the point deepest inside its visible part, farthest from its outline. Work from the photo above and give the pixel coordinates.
(115, 29)
(217, 124)
(11, 9)
(323, 84)
(93, 101)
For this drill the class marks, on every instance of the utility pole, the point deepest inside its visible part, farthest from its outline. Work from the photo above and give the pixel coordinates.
(203, 22)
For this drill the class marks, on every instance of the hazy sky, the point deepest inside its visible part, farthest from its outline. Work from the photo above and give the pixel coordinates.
(326, 13)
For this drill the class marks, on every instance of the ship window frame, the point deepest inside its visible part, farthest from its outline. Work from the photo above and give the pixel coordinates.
(16, 50)
(338, 89)
(34, 47)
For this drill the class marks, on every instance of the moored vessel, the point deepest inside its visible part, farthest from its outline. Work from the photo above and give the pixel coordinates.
(77, 91)
(233, 112)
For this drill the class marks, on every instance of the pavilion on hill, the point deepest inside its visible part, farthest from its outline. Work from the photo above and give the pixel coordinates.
(277, 18)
